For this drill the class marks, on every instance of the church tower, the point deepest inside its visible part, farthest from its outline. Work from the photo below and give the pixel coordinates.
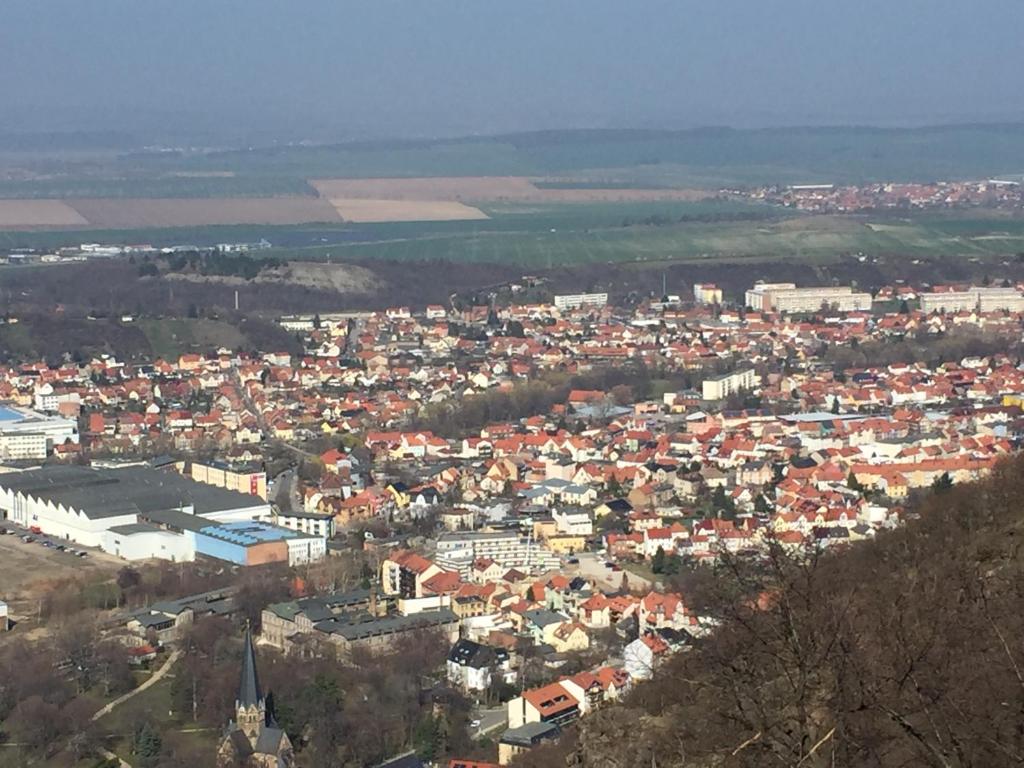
(253, 739)
(250, 706)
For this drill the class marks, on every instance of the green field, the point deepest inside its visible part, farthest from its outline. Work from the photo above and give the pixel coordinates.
(544, 235)
(800, 237)
(516, 218)
(170, 338)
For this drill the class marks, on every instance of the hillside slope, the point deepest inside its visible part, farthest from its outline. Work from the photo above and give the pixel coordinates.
(905, 651)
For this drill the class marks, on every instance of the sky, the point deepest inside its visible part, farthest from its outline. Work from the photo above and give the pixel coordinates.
(341, 69)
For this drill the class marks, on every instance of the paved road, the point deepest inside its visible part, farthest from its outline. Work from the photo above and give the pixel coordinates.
(155, 678)
(108, 755)
(284, 492)
(491, 720)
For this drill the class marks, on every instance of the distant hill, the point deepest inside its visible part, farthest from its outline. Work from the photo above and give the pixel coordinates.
(704, 156)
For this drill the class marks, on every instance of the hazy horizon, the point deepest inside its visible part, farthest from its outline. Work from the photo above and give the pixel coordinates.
(259, 70)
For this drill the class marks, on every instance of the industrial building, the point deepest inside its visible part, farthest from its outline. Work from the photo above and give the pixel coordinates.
(980, 299)
(786, 297)
(139, 513)
(578, 300)
(29, 435)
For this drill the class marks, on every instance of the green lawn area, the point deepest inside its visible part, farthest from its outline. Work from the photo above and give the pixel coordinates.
(16, 339)
(155, 703)
(642, 570)
(171, 338)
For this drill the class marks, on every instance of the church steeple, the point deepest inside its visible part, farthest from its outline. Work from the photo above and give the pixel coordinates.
(254, 738)
(250, 706)
(249, 692)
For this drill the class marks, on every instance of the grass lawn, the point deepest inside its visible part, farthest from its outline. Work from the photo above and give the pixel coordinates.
(171, 338)
(642, 570)
(155, 703)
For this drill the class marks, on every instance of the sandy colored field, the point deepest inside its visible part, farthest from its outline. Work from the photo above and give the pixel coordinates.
(29, 570)
(39, 213)
(440, 188)
(360, 210)
(617, 195)
(140, 214)
(485, 189)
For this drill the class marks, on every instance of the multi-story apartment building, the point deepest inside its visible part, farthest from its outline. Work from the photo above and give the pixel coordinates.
(720, 387)
(25, 434)
(992, 299)
(707, 293)
(786, 297)
(576, 300)
(509, 549)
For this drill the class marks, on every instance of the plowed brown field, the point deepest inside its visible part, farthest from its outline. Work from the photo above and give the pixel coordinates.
(26, 214)
(140, 214)
(360, 210)
(485, 189)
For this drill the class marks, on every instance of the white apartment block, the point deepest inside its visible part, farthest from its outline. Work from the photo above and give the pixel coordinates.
(25, 434)
(720, 387)
(509, 549)
(577, 300)
(786, 297)
(707, 293)
(992, 299)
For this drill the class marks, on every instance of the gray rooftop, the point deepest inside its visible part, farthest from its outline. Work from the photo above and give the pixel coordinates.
(103, 493)
(530, 733)
(375, 627)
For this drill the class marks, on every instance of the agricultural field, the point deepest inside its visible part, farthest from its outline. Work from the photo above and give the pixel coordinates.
(363, 210)
(144, 213)
(702, 157)
(17, 214)
(573, 241)
(483, 189)
(184, 184)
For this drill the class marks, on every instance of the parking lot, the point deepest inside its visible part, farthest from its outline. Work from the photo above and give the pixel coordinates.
(26, 569)
(592, 566)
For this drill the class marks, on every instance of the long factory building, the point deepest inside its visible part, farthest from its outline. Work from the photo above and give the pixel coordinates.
(140, 513)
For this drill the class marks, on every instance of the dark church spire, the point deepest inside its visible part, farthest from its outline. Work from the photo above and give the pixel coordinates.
(249, 693)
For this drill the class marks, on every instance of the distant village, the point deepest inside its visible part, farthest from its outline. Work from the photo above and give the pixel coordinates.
(1005, 194)
(86, 251)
